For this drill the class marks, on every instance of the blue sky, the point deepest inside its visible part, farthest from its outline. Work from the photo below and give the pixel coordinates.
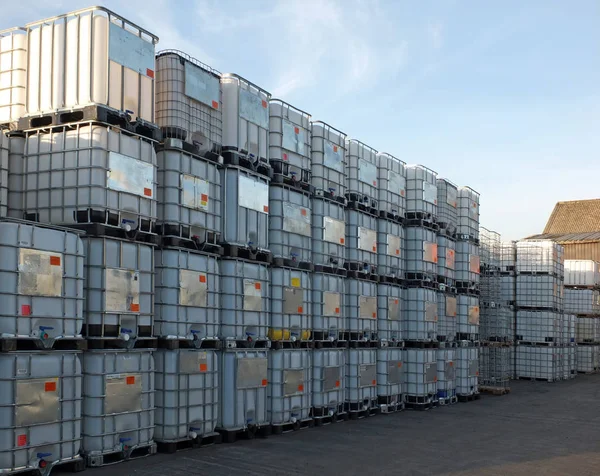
(501, 96)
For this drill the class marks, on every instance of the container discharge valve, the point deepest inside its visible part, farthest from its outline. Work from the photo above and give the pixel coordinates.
(125, 334)
(294, 178)
(42, 462)
(193, 434)
(44, 335)
(127, 224)
(124, 446)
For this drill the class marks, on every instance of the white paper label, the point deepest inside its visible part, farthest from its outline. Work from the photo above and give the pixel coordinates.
(253, 194)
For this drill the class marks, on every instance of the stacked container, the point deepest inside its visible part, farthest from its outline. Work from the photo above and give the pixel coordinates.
(4, 155)
(446, 376)
(13, 70)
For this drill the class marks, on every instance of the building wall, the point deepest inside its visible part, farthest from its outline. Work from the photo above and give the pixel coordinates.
(582, 250)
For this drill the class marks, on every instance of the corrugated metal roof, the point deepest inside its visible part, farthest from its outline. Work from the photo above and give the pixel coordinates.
(567, 237)
(577, 216)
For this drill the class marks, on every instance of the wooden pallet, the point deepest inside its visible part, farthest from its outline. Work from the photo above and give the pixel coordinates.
(495, 390)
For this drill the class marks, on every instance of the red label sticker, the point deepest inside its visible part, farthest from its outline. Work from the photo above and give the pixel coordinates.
(215, 105)
(303, 212)
(204, 197)
(285, 156)
(395, 301)
(148, 192)
(50, 387)
(451, 364)
(264, 104)
(374, 382)
(22, 440)
(25, 310)
(149, 73)
(266, 209)
(435, 202)
(374, 183)
(300, 309)
(55, 260)
(435, 379)
(203, 367)
(301, 388)
(256, 285)
(337, 383)
(374, 249)
(264, 382)
(397, 251)
(135, 308)
(202, 278)
(335, 148)
(374, 315)
(337, 310)
(342, 241)
(297, 130)
(130, 380)
(399, 364)
(401, 193)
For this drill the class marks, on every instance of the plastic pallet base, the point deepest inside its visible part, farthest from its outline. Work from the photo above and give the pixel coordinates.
(231, 156)
(394, 280)
(362, 203)
(12, 344)
(192, 245)
(415, 222)
(498, 391)
(235, 251)
(75, 465)
(420, 406)
(174, 344)
(246, 344)
(331, 270)
(360, 414)
(328, 420)
(290, 427)
(93, 461)
(413, 344)
(327, 195)
(199, 442)
(231, 436)
(328, 344)
(117, 344)
(385, 215)
(285, 344)
(278, 262)
(444, 402)
(279, 179)
(468, 398)
(172, 134)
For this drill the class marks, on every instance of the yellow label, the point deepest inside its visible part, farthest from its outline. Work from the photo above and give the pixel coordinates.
(295, 282)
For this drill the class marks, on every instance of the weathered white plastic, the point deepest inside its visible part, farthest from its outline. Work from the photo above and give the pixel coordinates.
(540, 291)
(187, 294)
(507, 289)
(187, 393)
(390, 248)
(16, 166)
(446, 373)
(495, 366)
(328, 160)
(119, 288)
(245, 303)
(468, 213)
(421, 315)
(362, 173)
(41, 282)
(467, 316)
(447, 314)
(189, 194)
(289, 137)
(290, 232)
(390, 312)
(13, 74)
(588, 358)
(4, 154)
(188, 100)
(587, 329)
(390, 374)
(446, 251)
(447, 203)
(572, 351)
(361, 240)
(391, 175)
(291, 304)
(245, 209)
(467, 370)
(361, 308)
(508, 253)
(290, 386)
(328, 312)
(582, 272)
(328, 233)
(245, 117)
(116, 175)
(571, 321)
(90, 56)
(421, 191)
(40, 409)
(361, 379)
(328, 379)
(582, 301)
(118, 402)
(467, 262)
(420, 372)
(566, 368)
(421, 251)
(542, 256)
(539, 362)
(243, 389)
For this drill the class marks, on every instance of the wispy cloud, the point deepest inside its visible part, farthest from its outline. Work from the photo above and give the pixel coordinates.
(435, 31)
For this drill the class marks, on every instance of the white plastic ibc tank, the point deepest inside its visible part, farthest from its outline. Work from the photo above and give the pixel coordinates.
(245, 209)
(290, 224)
(588, 358)
(187, 295)
(4, 154)
(391, 175)
(361, 171)
(115, 181)
(421, 315)
(245, 303)
(507, 290)
(14, 183)
(289, 141)
(361, 241)
(446, 252)
(290, 381)
(508, 253)
(13, 74)
(390, 247)
(582, 301)
(91, 56)
(467, 319)
(328, 233)
(189, 196)
(328, 160)
(361, 379)
(582, 272)
(447, 311)
(447, 204)
(421, 192)
(567, 321)
(446, 375)
(587, 329)
(328, 381)
(390, 376)
(188, 101)
(539, 291)
(573, 360)
(539, 326)
(361, 309)
(245, 118)
(187, 394)
(41, 282)
(119, 289)
(328, 297)
(420, 374)
(243, 389)
(40, 410)
(468, 213)
(538, 362)
(467, 262)
(291, 305)
(421, 258)
(467, 370)
(389, 312)
(118, 402)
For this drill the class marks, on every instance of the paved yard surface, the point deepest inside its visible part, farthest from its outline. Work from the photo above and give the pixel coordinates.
(540, 428)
